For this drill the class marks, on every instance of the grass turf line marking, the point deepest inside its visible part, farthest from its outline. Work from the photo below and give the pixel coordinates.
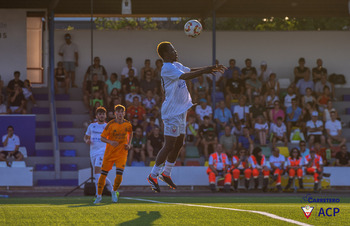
(273, 216)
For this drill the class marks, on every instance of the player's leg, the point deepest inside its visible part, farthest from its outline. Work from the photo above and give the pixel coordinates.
(106, 167)
(97, 164)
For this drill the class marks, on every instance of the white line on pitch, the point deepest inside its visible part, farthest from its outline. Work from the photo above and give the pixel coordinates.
(225, 208)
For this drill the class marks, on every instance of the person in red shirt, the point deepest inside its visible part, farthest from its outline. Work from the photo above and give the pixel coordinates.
(136, 111)
(294, 164)
(257, 163)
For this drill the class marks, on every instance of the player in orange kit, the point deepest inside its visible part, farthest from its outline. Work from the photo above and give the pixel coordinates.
(118, 136)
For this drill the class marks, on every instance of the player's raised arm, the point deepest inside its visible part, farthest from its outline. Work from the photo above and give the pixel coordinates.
(195, 72)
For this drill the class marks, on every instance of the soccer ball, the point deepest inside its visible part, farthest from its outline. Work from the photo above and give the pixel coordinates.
(193, 28)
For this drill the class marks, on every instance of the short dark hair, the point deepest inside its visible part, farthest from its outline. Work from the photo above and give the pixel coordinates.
(101, 110)
(115, 74)
(119, 107)
(291, 152)
(17, 72)
(295, 99)
(206, 117)
(279, 118)
(232, 60)
(162, 48)
(248, 59)
(10, 127)
(128, 59)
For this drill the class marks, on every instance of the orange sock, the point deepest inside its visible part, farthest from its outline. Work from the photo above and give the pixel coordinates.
(117, 181)
(101, 183)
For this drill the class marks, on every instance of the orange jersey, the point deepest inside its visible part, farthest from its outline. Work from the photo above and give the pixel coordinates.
(116, 132)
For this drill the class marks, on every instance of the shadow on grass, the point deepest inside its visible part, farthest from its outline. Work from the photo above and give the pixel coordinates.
(144, 218)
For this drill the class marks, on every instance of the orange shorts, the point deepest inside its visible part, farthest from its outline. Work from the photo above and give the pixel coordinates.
(119, 158)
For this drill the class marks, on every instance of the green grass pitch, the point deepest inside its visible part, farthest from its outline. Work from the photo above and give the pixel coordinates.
(81, 211)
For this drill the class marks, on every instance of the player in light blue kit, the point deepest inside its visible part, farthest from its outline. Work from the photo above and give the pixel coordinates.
(174, 109)
(97, 147)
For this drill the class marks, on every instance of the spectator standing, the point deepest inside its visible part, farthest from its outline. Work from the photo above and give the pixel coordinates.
(11, 143)
(126, 69)
(300, 71)
(334, 131)
(248, 70)
(318, 71)
(342, 158)
(70, 56)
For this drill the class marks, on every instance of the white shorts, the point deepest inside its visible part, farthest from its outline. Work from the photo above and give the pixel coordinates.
(97, 160)
(175, 126)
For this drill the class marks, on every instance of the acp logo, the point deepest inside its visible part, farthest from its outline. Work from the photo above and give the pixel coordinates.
(307, 210)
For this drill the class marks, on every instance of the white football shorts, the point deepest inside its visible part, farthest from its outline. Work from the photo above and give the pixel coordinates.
(97, 160)
(175, 126)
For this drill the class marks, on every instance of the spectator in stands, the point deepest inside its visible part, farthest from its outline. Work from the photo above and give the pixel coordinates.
(277, 162)
(61, 76)
(219, 77)
(323, 99)
(69, 52)
(136, 110)
(16, 102)
(149, 101)
(276, 112)
(192, 130)
(98, 69)
(2, 91)
(279, 132)
(230, 69)
(237, 129)
(158, 69)
(90, 87)
(13, 82)
(3, 108)
(148, 84)
(322, 151)
(257, 163)
(150, 125)
(131, 80)
(218, 165)
(334, 131)
(246, 141)
(156, 114)
(112, 104)
(146, 68)
(248, 70)
(318, 71)
(305, 83)
(201, 89)
(240, 165)
(96, 97)
(203, 109)
(327, 111)
(208, 136)
(10, 142)
(113, 95)
(261, 129)
(253, 86)
(241, 111)
(294, 114)
(228, 141)
(129, 97)
(300, 71)
(264, 73)
(155, 142)
(27, 92)
(127, 68)
(288, 98)
(319, 86)
(308, 97)
(137, 151)
(113, 83)
(315, 130)
(271, 98)
(342, 158)
(222, 116)
(294, 168)
(304, 151)
(273, 83)
(314, 166)
(256, 110)
(234, 88)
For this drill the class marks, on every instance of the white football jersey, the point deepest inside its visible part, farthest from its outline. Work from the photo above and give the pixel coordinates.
(97, 147)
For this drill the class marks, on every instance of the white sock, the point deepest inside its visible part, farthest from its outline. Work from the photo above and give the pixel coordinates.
(97, 176)
(155, 171)
(168, 167)
(109, 185)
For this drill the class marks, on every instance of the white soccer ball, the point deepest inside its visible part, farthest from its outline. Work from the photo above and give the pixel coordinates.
(193, 28)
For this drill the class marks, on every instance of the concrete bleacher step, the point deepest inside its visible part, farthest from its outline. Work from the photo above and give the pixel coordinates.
(77, 106)
(51, 167)
(63, 153)
(45, 96)
(46, 110)
(75, 146)
(82, 162)
(62, 138)
(77, 120)
(346, 97)
(60, 124)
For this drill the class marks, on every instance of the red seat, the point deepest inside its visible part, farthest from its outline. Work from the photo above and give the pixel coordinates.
(192, 163)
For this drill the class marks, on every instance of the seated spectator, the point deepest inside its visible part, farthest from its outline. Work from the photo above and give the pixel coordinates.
(150, 125)
(323, 99)
(237, 129)
(256, 110)
(129, 97)
(17, 101)
(289, 97)
(110, 109)
(234, 88)
(149, 102)
(97, 97)
(113, 95)
(203, 109)
(319, 86)
(192, 130)
(264, 72)
(314, 166)
(135, 123)
(276, 112)
(127, 68)
(300, 71)
(315, 130)
(201, 89)
(279, 132)
(303, 150)
(148, 84)
(13, 82)
(318, 71)
(240, 166)
(322, 151)
(138, 147)
(308, 97)
(208, 137)
(136, 110)
(146, 68)
(231, 69)
(156, 114)
(27, 92)
(248, 70)
(218, 165)
(158, 69)
(327, 111)
(113, 83)
(96, 68)
(11, 143)
(61, 76)
(272, 83)
(3, 108)
(130, 81)
(334, 131)
(305, 83)
(246, 141)
(219, 77)
(294, 168)
(342, 158)
(294, 114)
(271, 98)
(222, 116)
(155, 142)
(277, 162)
(257, 162)
(90, 87)
(228, 141)
(253, 86)
(261, 129)
(241, 111)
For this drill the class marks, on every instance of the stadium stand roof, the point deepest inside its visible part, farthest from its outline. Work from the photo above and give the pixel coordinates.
(190, 8)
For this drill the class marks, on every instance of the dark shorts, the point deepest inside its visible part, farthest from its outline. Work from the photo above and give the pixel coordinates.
(317, 138)
(6, 153)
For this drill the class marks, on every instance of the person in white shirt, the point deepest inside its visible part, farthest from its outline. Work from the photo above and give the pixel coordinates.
(277, 167)
(174, 110)
(11, 143)
(97, 147)
(315, 130)
(334, 130)
(69, 52)
(261, 129)
(279, 132)
(125, 70)
(263, 72)
(289, 97)
(203, 110)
